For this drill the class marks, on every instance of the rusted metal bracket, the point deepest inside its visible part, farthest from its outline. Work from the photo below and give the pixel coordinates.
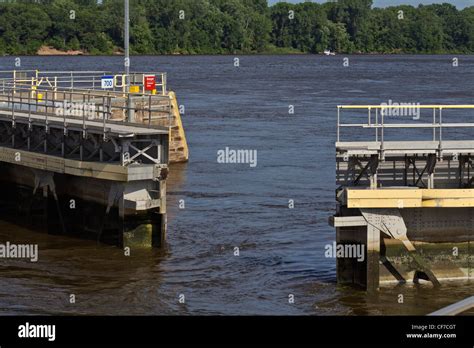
(390, 222)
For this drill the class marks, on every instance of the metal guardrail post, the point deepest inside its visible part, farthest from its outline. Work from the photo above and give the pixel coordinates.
(64, 115)
(440, 133)
(130, 113)
(46, 111)
(29, 111)
(13, 109)
(36, 100)
(338, 123)
(21, 106)
(149, 111)
(83, 125)
(165, 83)
(377, 125)
(29, 120)
(104, 116)
(382, 135)
(83, 104)
(55, 86)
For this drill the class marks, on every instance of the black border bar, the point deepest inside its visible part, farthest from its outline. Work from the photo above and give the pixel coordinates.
(195, 330)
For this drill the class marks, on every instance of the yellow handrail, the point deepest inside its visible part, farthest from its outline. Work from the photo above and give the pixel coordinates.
(406, 106)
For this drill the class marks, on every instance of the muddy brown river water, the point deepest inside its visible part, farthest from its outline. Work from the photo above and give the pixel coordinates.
(281, 250)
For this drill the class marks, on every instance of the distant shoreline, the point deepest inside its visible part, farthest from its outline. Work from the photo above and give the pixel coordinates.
(82, 54)
(252, 28)
(48, 51)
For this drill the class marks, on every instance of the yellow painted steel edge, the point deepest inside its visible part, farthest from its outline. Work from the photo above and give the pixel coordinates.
(385, 203)
(384, 194)
(410, 198)
(449, 203)
(447, 193)
(406, 106)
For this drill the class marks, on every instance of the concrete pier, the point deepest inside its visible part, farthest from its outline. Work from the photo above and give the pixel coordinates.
(73, 164)
(409, 203)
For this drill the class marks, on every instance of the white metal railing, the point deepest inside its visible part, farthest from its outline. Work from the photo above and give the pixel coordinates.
(87, 107)
(45, 88)
(456, 308)
(376, 119)
(87, 80)
(87, 104)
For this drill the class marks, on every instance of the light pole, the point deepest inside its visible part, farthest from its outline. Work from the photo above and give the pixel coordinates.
(126, 35)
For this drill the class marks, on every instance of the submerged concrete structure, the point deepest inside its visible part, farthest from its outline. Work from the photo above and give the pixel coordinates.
(83, 154)
(408, 198)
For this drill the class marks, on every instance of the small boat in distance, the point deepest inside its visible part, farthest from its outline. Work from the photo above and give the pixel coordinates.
(329, 53)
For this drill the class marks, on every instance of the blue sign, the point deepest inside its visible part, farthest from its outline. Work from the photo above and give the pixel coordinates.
(107, 82)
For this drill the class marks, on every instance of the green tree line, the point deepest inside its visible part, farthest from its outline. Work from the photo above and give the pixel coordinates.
(234, 26)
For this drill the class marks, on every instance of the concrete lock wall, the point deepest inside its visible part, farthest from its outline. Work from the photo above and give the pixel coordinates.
(84, 207)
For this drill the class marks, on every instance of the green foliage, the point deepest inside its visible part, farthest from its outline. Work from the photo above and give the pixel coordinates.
(349, 26)
(23, 27)
(234, 26)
